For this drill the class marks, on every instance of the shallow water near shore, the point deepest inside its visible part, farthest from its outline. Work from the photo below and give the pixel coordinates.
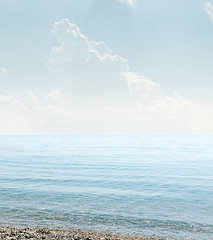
(155, 186)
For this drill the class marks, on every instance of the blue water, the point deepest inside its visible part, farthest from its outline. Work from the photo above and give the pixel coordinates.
(156, 186)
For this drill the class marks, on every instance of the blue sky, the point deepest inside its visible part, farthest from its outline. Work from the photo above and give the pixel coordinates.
(136, 67)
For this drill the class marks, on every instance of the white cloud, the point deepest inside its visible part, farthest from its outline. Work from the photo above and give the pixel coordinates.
(103, 96)
(14, 116)
(129, 2)
(32, 97)
(3, 70)
(7, 101)
(209, 9)
(165, 115)
(54, 94)
(88, 71)
(141, 87)
(98, 94)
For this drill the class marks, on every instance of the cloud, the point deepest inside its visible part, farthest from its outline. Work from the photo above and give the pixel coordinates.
(8, 101)
(141, 87)
(209, 9)
(14, 116)
(95, 92)
(129, 2)
(87, 69)
(3, 70)
(102, 95)
(32, 97)
(54, 94)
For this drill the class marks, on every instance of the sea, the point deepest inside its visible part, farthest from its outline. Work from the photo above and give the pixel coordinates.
(152, 186)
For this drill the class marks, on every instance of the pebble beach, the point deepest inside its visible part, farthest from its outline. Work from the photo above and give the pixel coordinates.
(11, 233)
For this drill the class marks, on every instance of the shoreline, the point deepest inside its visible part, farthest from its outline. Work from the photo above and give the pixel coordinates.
(13, 233)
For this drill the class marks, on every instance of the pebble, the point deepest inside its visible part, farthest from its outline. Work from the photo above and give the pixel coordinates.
(10, 233)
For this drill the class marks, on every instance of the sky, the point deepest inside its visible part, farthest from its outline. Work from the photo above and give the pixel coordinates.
(106, 67)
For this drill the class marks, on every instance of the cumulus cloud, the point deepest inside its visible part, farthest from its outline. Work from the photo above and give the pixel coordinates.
(104, 96)
(209, 9)
(97, 93)
(141, 87)
(88, 70)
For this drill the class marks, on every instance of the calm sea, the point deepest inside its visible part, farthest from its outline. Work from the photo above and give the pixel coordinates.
(157, 186)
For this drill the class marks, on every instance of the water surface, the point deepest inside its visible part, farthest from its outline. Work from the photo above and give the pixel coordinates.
(159, 186)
